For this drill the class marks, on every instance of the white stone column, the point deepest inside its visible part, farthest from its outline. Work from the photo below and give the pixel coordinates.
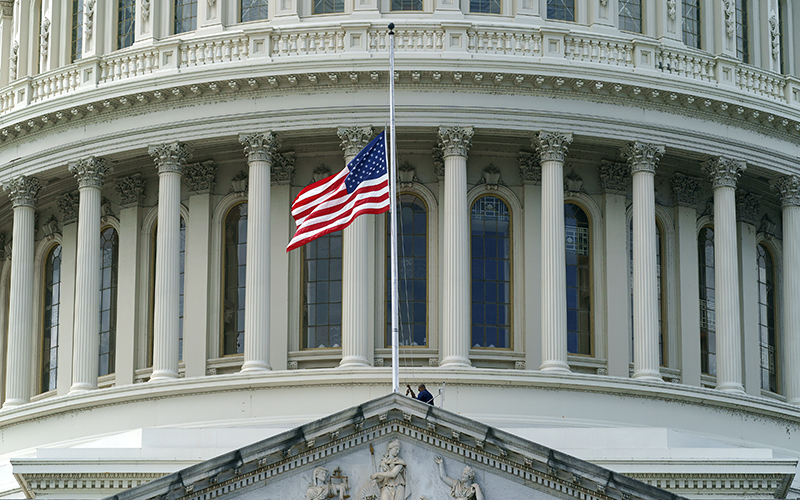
(531, 174)
(552, 147)
(789, 189)
(260, 150)
(281, 230)
(170, 159)
(724, 174)
(6, 38)
(355, 275)
(90, 173)
(23, 192)
(456, 318)
(643, 159)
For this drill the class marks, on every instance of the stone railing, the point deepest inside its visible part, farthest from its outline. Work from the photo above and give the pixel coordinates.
(271, 46)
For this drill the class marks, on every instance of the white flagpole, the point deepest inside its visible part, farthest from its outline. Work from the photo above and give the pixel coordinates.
(393, 223)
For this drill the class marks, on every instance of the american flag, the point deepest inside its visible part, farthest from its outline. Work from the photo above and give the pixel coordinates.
(333, 203)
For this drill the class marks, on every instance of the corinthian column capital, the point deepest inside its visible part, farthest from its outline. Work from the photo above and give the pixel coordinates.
(23, 190)
(788, 188)
(724, 172)
(455, 141)
(354, 139)
(260, 147)
(552, 146)
(642, 156)
(90, 172)
(170, 157)
(685, 190)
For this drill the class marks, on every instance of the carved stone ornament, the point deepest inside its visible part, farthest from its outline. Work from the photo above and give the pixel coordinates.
(354, 139)
(145, 10)
(748, 207)
(324, 485)
(775, 36)
(603, 2)
(8, 247)
(201, 177)
(50, 228)
(106, 211)
(68, 206)
(90, 172)
(283, 168)
(406, 175)
(730, 17)
(260, 147)
(438, 162)
(13, 60)
(767, 227)
(614, 177)
(724, 172)
(552, 146)
(529, 169)
(672, 8)
(685, 190)
(6, 8)
(23, 191)
(642, 156)
(573, 183)
(391, 479)
(170, 157)
(88, 14)
(320, 173)
(455, 141)
(239, 184)
(44, 38)
(131, 190)
(788, 188)
(491, 177)
(463, 487)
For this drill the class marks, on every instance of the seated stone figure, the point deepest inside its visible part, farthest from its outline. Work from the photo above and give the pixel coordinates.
(321, 487)
(464, 488)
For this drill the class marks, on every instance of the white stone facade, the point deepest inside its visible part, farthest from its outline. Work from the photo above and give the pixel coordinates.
(609, 326)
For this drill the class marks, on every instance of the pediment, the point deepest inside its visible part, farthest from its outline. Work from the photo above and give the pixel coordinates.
(344, 450)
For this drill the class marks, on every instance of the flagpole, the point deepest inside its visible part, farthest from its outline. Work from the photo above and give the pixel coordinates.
(393, 223)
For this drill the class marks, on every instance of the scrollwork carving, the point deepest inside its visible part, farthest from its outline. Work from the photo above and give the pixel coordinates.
(283, 168)
(239, 184)
(529, 169)
(90, 172)
(775, 36)
(788, 187)
(438, 162)
(354, 139)
(88, 14)
(455, 141)
(201, 177)
(552, 146)
(407, 175)
(50, 228)
(145, 10)
(131, 190)
(573, 183)
(642, 156)
(23, 190)
(748, 207)
(13, 58)
(260, 147)
(68, 206)
(672, 8)
(170, 157)
(730, 17)
(686, 190)
(491, 177)
(613, 177)
(44, 38)
(724, 172)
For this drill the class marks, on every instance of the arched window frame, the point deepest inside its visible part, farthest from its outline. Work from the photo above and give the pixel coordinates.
(703, 222)
(596, 241)
(517, 269)
(776, 252)
(106, 222)
(223, 271)
(147, 271)
(43, 250)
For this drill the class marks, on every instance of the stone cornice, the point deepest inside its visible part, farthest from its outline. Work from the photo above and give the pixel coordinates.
(90, 172)
(724, 172)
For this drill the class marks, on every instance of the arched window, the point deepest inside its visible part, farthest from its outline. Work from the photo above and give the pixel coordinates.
(109, 255)
(691, 23)
(126, 14)
(579, 280)
(662, 330)
(412, 257)
(253, 10)
(630, 15)
(185, 16)
(52, 301)
(485, 7)
(490, 248)
(562, 10)
(328, 6)
(708, 319)
(181, 281)
(234, 271)
(742, 25)
(766, 320)
(77, 30)
(322, 292)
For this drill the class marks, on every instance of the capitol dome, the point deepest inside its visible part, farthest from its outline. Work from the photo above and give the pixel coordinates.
(599, 231)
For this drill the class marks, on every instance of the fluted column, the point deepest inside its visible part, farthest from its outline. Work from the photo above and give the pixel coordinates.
(724, 174)
(23, 192)
(456, 331)
(789, 189)
(552, 148)
(260, 149)
(90, 174)
(169, 159)
(643, 159)
(355, 276)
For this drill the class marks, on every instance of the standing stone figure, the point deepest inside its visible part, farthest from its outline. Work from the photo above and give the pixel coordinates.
(391, 475)
(321, 487)
(464, 488)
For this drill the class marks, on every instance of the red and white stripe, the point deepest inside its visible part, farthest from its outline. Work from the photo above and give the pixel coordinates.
(325, 206)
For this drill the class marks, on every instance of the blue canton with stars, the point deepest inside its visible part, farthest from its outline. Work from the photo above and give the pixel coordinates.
(369, 163)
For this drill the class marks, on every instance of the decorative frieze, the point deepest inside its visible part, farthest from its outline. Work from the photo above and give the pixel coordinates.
(201, 177)
(614, 177)
(748, 207)
(407, 175)
(354, 139)
(552, 146)
(68, 206)
(724, 172)
(685, 190)
(239, 184)
(283, 168)
(642, 156)
(90, 172)
(320, 173)
(23, 191)
(170, 157)
(131, 190)
(530, 171)
(455, 141)
(491, 177)
(260, 147)
(788, 188)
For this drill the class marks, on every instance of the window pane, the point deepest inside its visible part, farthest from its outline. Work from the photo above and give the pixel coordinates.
(322, 292)
(630, 15)
(52, 300)
(708, 323)
(406, 4)
(579, 294)
(125, 23)
(109, 250)
(77, 30)
(485, 6)
(563, 10)
(328, 6)
(742, 49)
(185, 16)
(235, 266)
(253, 10)
(766, 320)
(691, 23)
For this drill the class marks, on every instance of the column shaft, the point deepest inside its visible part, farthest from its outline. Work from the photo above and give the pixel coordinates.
(791, 303)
